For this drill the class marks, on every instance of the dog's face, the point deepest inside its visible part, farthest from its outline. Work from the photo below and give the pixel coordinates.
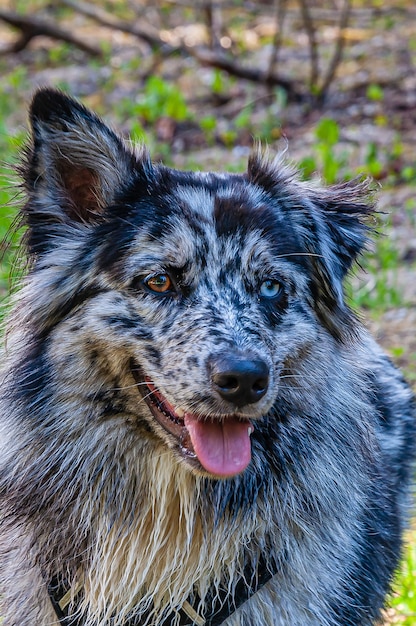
(205, 291)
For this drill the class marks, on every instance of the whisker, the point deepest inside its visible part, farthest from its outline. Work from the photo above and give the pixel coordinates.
(292, 376)
(127, 387)
(313, 254)
(284, 387)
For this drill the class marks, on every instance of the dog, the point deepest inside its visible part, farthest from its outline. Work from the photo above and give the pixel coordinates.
(196, 429)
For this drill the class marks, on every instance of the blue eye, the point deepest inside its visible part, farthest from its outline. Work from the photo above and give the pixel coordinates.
(270, 288)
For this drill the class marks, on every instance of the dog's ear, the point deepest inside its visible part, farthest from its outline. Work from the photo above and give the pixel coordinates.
(75, 165)
(331, 225)
(337, 221)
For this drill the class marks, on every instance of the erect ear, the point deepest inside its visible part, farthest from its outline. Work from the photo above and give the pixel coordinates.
(75, 165)
(338, 232)
(330, 224)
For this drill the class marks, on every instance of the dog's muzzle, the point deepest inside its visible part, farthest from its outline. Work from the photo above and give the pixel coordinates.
(217, 445)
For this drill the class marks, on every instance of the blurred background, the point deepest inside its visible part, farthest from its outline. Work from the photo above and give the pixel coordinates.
(331, 82)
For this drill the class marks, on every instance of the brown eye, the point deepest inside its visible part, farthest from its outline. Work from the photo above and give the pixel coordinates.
(161, 283)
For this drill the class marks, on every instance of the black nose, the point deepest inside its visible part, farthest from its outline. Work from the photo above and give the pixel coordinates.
(239, 379)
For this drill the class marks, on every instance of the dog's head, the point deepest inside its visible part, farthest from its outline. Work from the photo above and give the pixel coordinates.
(199, 289)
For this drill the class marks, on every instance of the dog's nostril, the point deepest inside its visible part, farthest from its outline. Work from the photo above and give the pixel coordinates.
(226, 382)
(260, 385)
(239, 379)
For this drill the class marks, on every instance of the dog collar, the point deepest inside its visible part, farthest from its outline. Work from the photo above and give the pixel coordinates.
(61, 596)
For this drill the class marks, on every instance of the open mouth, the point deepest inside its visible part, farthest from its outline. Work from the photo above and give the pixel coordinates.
(220, 445)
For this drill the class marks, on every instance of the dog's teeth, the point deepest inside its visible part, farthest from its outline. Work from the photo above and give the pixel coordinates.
(180, 413)
(250, 430)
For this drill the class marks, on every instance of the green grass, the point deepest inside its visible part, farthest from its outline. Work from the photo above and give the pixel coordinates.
(375, 288)
(403, 599)
(8, 238)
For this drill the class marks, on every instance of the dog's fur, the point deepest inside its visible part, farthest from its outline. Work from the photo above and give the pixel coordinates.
(95, 489)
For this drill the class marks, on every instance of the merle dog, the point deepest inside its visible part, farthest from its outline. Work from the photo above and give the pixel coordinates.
(195, 428)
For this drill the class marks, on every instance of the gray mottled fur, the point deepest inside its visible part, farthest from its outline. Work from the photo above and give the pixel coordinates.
(93, 488)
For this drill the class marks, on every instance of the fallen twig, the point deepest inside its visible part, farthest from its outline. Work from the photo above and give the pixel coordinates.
(32, 26)
(206, 57)
(147, 34)
(202, 54)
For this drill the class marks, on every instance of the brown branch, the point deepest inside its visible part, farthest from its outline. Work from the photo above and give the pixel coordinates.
(213, 20)
(32, 26)
(147, 34)
(207, 58)
(202, 55)
(313, 46)
(279, 17)
(339, 48)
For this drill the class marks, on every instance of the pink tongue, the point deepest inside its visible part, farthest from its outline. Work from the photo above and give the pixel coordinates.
(222, 448)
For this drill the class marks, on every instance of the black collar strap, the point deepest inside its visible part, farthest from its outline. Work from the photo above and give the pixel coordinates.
(223, 606)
